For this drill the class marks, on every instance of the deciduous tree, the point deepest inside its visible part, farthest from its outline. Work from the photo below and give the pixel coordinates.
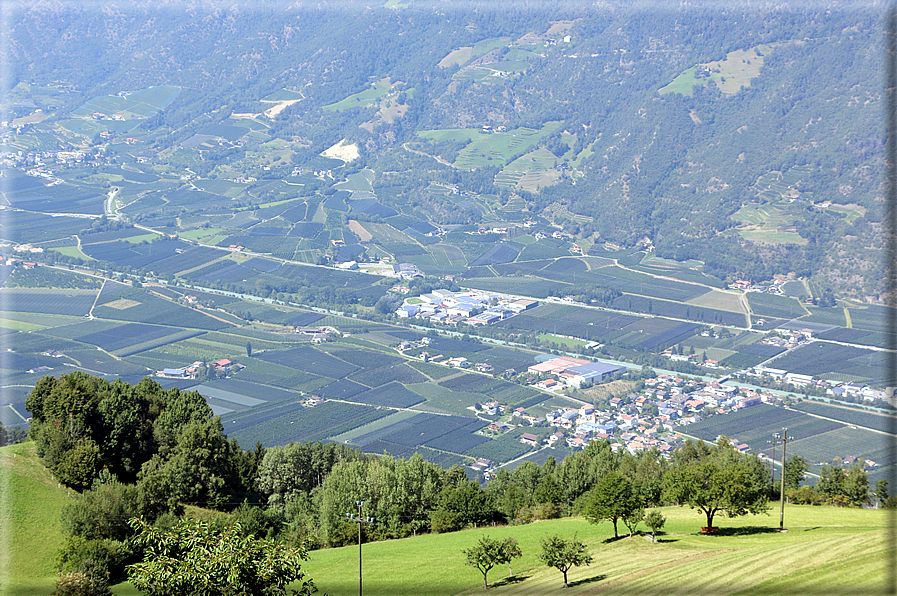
(612, 499)
(720, 480)
(655, 521)
(795, 472)
(192, 559)
(488, 553)
(564, 554)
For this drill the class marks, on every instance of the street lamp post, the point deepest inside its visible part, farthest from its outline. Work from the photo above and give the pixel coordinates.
(360, 520)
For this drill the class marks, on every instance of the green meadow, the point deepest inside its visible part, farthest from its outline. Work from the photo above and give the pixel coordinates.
(826, 550)
(362, 99)
(730, 74)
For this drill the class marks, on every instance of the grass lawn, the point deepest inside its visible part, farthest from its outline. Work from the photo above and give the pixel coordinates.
(826, 550)
(19, 325)
(72, 251)
(564, 341)
(30, 502)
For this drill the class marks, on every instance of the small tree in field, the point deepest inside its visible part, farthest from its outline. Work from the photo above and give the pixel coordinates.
(563, 554)
(510, 550)
(488, 553)
(655, 520)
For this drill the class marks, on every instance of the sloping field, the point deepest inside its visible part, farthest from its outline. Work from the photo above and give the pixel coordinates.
(826, 551)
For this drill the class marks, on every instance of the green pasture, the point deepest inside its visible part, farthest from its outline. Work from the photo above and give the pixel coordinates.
(772, 237)
(564, 341)
(729, 75)
(826, 550)
(71, 251)
(529, 172)
(464, 55)
(283, 95)
(363, 99)
(358, 182)
(492, 148)
(850, 212)
(720, 300)
(652, 261)
(19, 325)
(30, 524)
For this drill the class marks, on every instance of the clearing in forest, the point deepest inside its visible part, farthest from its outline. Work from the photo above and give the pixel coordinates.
(729, 74)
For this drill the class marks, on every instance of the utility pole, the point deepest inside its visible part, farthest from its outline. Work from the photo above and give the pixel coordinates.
(360, 520)
(785, 439)
(776, 439)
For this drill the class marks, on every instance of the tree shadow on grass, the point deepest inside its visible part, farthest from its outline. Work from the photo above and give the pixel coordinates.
(587, 580)
(509, 581)
(614, 539)
(745, 531)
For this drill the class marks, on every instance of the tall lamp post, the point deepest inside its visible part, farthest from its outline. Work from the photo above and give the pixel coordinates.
(785, 439)
(360, 520)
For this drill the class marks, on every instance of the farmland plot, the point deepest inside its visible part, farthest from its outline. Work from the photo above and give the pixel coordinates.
(847, 415)
(131, 334)
(279, 423)
(22, 226)
(47, 301)
(311, 360)
(822, 359)
(755, 425)
(391, 394)
(771, 305)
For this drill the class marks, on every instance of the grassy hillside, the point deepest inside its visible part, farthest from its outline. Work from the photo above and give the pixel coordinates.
(30, 502)
(826, 550)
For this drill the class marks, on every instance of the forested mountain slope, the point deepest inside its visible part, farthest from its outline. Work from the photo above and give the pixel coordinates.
(745, 136)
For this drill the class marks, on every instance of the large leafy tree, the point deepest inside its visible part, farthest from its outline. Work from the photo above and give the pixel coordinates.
(719, 479)
(193, 559)
(563, 554)
(612, 499)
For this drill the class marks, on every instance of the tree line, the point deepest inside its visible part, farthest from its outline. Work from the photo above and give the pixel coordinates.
(147, 452)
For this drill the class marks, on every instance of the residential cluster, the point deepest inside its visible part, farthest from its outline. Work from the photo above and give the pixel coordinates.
(645, 420)
(472, 308)
(774, 288)
(38, 163)
(223, 366)
(836, 389)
